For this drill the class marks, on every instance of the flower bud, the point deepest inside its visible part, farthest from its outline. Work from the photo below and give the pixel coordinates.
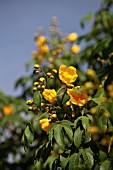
(36, 71)
(36, 66)
(29, 102)
(54, 71)
(30, 108)
(41, 79)
(34, 89)
(43, 86)
(36, 83)
(53, 115)
(49, 74)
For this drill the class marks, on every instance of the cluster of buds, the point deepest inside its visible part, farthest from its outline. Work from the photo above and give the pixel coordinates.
(32, 106)
(40, 84)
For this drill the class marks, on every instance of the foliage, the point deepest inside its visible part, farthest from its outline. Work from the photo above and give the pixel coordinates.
(77, 118)
(68, 123)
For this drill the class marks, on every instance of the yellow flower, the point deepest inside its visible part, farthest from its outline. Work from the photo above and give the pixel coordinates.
(8, 110)
(67, 75)
(45, 124)
(44, 49)
(77, 98)
(72, 37)
(49, 95)
(34, 54)
(75, 49)
(40, 41)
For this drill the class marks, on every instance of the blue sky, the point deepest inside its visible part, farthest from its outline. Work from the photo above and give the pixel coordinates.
(20, 19)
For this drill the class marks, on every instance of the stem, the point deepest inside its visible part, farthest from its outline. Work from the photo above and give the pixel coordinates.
(39, 117)
(63, 95)
(62, 87)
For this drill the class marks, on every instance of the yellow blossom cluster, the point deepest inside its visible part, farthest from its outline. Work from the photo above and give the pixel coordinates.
(56, 47)
(76, 94)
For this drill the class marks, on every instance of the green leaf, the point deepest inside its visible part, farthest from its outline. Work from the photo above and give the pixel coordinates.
(37, 99)
(74, 161)
(50, 132)
(69, 132)
(58, 135)
(38, 151)
(24, 142)
(85, 122)
(97, 167)
(102, 155)
(76, 121)
(78, 137)
(64, 161)
(105, 165)
(86, 19)
(96, 100)
(88, 157)
(50, 162)
(87, 137)
(90, 117)
(29, 133)
(66, 122)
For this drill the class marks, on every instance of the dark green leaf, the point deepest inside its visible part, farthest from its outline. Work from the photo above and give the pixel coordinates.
(88, 157)
(74, 161)
(29, 133)
(37, 99)
(58, 135)
(24, 142)
(78, 137)
(66, 122)
(69, 132)
(38, 151)
(102, 155)
(50, 132)
(64, 162)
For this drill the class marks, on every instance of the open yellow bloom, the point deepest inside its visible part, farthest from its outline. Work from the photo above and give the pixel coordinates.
(79, 99)
(45, 124)
(49, 95)
(72, 37)
(67, 75)
(40, 41)
(8, 110)
(75, 49)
